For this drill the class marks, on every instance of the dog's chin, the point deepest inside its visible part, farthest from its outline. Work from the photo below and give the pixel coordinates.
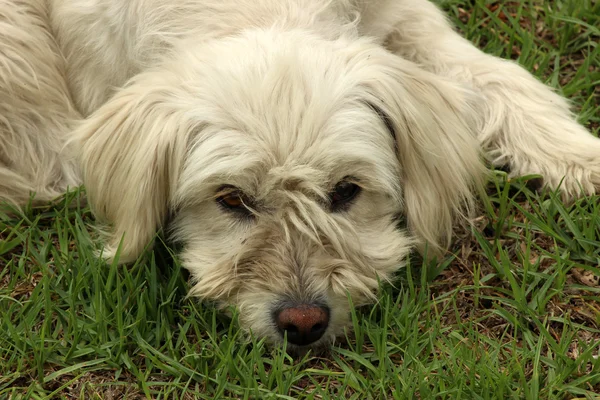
(317, 348)
(320, 347)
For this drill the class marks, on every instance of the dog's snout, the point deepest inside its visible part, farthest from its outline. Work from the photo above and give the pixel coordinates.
(303, 323)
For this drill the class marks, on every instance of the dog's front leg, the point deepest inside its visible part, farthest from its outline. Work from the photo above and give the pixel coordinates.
(524, 125)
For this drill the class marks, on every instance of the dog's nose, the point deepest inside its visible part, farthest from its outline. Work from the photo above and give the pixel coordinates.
(303, 323)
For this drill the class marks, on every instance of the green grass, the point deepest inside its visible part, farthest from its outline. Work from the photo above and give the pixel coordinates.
(515, 313)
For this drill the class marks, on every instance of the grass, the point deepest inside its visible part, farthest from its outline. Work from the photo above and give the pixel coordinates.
(513, 313)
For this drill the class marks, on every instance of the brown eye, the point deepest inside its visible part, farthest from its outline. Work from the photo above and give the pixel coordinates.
(343, 194)
(232, 199)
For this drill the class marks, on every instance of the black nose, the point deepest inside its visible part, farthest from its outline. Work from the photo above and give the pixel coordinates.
(303, 323)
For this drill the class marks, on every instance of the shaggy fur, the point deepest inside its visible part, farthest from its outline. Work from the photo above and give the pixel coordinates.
(281, 99)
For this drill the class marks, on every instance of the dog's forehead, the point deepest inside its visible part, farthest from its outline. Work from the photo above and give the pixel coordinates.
(293, 118)
(281, 86)
(289, 114)
(350, 142)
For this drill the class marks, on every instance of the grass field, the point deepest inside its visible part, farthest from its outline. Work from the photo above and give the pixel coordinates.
(513, 313)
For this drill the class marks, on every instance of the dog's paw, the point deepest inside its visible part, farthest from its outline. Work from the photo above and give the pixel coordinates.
(571, 179)
(551, 144)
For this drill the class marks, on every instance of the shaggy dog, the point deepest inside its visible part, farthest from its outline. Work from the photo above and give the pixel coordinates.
(285, 139)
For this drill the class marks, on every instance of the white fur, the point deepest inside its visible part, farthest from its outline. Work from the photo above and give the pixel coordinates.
(282, 99)
(36, 111)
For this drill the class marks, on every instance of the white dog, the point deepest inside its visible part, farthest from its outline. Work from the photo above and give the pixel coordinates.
(285, 137)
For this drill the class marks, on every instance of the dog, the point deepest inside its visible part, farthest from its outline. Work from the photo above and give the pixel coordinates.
(300, 148)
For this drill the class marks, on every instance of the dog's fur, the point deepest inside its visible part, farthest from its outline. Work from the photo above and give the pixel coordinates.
(161, 103)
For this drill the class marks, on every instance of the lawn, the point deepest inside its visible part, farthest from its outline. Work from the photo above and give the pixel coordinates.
(513, 312)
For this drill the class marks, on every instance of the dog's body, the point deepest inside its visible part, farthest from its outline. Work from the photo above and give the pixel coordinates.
(314, 125)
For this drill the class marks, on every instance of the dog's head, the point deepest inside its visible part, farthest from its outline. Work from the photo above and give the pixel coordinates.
(287, 162)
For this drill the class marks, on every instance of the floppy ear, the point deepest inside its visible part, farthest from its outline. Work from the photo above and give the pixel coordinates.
(131, 151)
(434, 124)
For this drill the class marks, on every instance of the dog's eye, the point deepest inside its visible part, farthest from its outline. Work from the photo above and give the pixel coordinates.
(343, 193)
(233, 199)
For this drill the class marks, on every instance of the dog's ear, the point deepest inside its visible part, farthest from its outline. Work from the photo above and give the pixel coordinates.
(434, 125)
(131, 152)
